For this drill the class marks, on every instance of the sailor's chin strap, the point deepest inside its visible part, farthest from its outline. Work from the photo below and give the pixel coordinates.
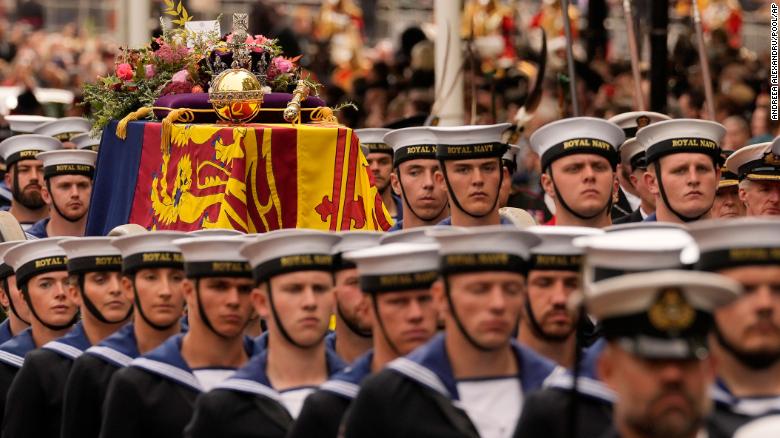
(205, 317)
(366, 334)
(54, 327)
(606, 210)
(375, 303)
(137, 299)
(455, 197)
(537, 328)
(666, 198)
(93, 310)
(280, 325)
(458, 323)
(11, 304)
(54, 204)
(409, 206)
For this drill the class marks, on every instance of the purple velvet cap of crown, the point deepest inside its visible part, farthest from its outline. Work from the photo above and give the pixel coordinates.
(201, 101)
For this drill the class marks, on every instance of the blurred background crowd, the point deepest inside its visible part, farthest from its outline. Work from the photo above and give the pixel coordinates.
(379, 54)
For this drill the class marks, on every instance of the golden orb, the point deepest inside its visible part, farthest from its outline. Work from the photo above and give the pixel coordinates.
(236, 95)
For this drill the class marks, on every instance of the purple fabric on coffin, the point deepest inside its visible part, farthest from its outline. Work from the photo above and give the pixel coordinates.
(201, 101)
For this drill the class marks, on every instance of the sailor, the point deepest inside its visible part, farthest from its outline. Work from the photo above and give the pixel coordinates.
(380, 163)
(758, 168)
(628, 249)
(150, 285)
(549, 326)
(18, 124)
(352, 335)
(11, 299)
(579, 157)
(472, 379)
(657, 358)
(630, 196)
(414, 167)
(683, 167)
(472, 171)
(155, 395)
(727, 204)
(746, 341)
(42, 276)
(396, 279)
(68, 175)
(293, 270)
(24, 175)
(64, 129)
(632, 158)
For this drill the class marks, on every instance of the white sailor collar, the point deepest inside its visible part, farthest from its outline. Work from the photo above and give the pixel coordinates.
(588, 383)
(429, 365)
(252, 377)
(118, 349)
(12, 351)
(748, 406)
(346, 383)
(167, 362)
(72, 345)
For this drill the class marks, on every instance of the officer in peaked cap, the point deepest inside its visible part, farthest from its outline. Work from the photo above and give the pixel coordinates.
(579, 157)
(414, 167)
(86, 141)
(68, 175)
(657, 359)
(472, 171)
(630, 195)
(727, 203)
(747, 332)
(632, 158)
(294, 272)
(548, 325)
(396, 281)
(64, 129)
(352, 336)
(42, 276)
(758, 168)
(470, 380)
(24, 175)
(380, 163)
(683, 167)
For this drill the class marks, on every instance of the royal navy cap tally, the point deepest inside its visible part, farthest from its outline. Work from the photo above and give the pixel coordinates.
(617, 253)
(26, 124)
(26, 147)
(372, 141)
(488, 248)
(737, 242)
(577, 135)
(727, 177)
(470, 142)
(663, 314)
(289, 250)
(7, 270)
(222, 232)
(65, 128)
(411, 144)
(353, 241)
(35, 257)
(633, 153)
(91, 254)
(556, 250)
(86, 141)
(396, 267)
(631, 122)
(154, 249)
(214, 256)
(68, 162)
(681, 136)
(758, 162)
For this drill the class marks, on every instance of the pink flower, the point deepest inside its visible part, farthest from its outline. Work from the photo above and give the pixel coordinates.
(124, 72)
(282, 64)
(180, 76)
(149, 71)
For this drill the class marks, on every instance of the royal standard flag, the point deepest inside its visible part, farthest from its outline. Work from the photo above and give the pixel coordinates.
(252, 178)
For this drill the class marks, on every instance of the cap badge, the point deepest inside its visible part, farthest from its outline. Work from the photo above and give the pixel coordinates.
(642, 121)
(772, 159)
(671, 312)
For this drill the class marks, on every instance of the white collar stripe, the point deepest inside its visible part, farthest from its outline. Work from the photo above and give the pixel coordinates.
(11, 359)
(68, 350)
(419, 373)
(585, 385)
(346, 389)
(110, 354)
(169, 371)
(244, 385)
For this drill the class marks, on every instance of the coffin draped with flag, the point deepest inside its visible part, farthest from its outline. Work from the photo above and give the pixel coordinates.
(252, 178)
